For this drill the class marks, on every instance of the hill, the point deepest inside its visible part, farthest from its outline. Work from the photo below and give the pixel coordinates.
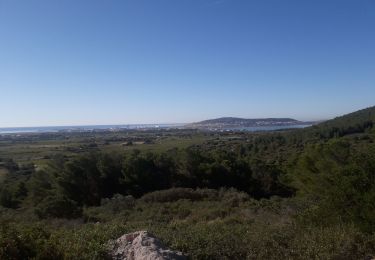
(356, 122)
(232, 122)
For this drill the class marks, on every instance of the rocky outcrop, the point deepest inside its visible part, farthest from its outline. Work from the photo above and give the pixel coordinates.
(141, 245)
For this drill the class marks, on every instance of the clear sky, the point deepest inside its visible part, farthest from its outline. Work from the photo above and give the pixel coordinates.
(77, 62)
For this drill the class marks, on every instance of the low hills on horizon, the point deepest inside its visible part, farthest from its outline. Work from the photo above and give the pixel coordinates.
(362, 117)
(350, 120)
(236, 122)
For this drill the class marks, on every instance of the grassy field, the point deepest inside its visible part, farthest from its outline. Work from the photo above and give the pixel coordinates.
(40, 148)
(160, 145)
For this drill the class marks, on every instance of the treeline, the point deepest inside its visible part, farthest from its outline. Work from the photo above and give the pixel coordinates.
(64, 187)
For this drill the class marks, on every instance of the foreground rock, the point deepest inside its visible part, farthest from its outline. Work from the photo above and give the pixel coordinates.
(141, 245)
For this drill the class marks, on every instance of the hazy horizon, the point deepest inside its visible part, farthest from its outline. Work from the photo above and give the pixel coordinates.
(67, 63)
(158, 123)
(193, 121)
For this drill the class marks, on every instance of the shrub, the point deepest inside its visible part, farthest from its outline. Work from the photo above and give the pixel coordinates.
(118, 202)
(58, 206)
(109, 207)
(176, 194)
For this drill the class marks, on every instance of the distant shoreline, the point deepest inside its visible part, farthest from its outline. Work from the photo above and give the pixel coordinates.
(89, 128)
(84, 128)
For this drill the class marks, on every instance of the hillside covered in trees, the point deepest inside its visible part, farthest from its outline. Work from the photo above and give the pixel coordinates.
(295, 194)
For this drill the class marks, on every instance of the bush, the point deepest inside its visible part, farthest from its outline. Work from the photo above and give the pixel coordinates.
(25, 242)
(118, 202)
(6, 199)
(110, 206)
(176, 194)
(57, 206)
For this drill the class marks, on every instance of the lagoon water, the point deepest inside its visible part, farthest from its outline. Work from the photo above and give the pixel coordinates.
(55, 129)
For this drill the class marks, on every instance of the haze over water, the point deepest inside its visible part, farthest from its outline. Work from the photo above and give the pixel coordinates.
(54, 129)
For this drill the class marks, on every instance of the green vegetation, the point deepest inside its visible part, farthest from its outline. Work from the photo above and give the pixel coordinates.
(3, 174)
(296, 194)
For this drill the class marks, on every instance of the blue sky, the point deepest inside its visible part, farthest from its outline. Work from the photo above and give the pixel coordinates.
(77, 62)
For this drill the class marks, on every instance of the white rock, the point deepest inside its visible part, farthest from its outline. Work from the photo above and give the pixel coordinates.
(141, 245)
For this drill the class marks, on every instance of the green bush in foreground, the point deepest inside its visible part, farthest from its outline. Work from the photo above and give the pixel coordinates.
(222, 224)
(56, 206)
(217, 240)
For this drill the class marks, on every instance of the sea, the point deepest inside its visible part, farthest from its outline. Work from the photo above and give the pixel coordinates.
(84, 128)
(87, 128)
